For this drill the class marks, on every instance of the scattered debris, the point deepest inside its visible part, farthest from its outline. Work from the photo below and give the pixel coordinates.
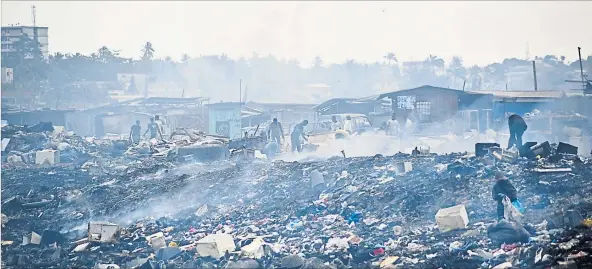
(396, 211)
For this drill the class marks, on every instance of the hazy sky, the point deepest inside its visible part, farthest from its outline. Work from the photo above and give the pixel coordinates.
(481, 32)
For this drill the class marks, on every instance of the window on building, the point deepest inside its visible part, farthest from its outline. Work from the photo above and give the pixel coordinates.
(424, 111)
(405, 102)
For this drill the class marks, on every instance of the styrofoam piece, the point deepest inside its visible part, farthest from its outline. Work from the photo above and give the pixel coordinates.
(452, 218)
(215, 245)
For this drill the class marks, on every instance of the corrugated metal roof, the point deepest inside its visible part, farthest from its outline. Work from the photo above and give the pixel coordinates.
(529, 94)
(498, 93)
(424, 87)
(332, 102)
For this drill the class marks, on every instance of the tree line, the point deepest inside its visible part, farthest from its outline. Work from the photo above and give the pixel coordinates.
(217, 76)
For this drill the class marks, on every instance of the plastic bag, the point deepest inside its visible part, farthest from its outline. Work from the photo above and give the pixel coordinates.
(511, 213)
(518, 206)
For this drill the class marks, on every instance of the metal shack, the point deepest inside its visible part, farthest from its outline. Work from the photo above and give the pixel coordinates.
(225, 119)
(435, 104)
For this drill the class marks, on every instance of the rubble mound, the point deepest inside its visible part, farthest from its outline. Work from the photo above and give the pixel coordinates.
(366, 212)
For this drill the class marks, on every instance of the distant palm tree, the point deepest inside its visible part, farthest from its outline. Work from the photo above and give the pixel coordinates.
(147, 51)
(390, 57)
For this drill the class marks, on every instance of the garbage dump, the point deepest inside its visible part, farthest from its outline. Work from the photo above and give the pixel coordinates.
(148, 210)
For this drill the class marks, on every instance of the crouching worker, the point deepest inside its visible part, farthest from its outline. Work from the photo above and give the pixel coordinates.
(296, 134)
(501, 189)
(517, 127)
(271, 150)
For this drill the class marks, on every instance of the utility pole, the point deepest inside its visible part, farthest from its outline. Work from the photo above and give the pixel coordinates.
(534, 73)
(581, 69)
(34, 19)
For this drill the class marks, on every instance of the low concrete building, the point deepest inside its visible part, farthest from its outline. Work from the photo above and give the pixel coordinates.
(7, 75)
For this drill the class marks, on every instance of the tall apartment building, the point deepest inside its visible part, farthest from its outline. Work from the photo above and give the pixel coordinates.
(12, 34)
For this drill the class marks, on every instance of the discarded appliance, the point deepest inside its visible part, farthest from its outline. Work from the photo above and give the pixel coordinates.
(452, 218)
(567, 148)
(102, 231)
(481, 149)
(542, 149)
(215, 245)
(47, 156)
(525, 149)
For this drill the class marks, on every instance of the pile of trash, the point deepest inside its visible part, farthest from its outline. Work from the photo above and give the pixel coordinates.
(401, 211)
(47, 145)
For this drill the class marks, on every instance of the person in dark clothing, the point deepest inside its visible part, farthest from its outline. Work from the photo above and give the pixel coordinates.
(296, 134)
(517, 128)
(153, 129)
(501, 189)
(275, 131)
(135, 133)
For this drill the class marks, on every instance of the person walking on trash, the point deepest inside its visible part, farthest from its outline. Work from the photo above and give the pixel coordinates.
(153, 129)
(392, 126)
(275, 132)
(502, 189)
(348, 125)
(135, 133)
(296, 134)
(517, 127)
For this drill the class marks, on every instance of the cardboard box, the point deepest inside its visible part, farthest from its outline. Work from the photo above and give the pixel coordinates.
(215, 245)
(102, 231)
(452, 218)
(47, 156)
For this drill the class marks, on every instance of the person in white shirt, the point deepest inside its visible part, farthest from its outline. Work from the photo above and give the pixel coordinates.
(348, 125)
(335, 125)
(392, 126)
(160, 123)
